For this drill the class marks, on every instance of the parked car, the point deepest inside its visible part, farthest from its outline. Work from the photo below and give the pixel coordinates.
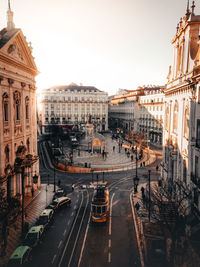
(59, 203)
(21, 256)
(59, 193)
(34, 235)
(46, 217)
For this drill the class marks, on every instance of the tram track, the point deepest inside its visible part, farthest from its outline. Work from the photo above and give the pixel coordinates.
(70, 245)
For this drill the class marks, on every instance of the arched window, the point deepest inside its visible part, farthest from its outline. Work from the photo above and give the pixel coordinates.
(17, 99)
(5, 107)
(186, 122)
(7, 154)
(175, 117)
(27, 107)
(28, 145)
(166, 116)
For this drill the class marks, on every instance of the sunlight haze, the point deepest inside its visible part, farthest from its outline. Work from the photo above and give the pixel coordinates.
(109, 44)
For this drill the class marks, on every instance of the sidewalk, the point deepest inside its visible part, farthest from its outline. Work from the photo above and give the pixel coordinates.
(151, 238)
(33, 208)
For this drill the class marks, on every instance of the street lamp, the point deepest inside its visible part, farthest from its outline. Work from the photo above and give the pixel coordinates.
(23, 161)
(135, 182)
(136, 179)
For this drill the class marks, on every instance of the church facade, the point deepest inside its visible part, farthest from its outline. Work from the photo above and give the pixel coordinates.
(181, 146)
(18, 128)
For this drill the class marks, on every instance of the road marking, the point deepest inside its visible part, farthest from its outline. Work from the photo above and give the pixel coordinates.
(65, 232)
(84, 240)
(68, 223)
(54, 257)
(75, 207)
(109, 243)
(109, 257)
(60, 244)
(110, 221)
(72, 214)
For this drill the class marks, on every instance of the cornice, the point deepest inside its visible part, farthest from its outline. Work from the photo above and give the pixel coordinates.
(14, 63)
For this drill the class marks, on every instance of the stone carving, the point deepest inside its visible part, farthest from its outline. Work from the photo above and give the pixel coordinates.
(15, 51)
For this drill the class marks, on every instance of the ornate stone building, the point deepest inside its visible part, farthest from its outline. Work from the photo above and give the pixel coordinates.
(17, 111)
(152, 113)
(181, 152)
(140, 110)
(73, 105)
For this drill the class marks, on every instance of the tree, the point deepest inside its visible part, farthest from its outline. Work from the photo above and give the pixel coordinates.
(168, 209)
(9, 210)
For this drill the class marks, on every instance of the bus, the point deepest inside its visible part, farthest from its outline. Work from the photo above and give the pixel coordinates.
(100, 204)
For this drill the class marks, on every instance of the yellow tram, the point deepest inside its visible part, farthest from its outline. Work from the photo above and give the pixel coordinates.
(100, 204)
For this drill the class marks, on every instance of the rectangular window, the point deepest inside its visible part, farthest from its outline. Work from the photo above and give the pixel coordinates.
(198, 134)
(27, 112)
(17, 112)
(5, 112)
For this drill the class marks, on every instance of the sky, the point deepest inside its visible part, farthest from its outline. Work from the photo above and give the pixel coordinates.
(109, 44)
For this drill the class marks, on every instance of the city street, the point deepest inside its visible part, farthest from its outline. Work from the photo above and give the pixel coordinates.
(72, 239)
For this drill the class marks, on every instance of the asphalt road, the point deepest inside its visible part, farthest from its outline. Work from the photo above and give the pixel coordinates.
(72, 240)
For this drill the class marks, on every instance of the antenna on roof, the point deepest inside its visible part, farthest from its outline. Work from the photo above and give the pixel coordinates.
(9, 5)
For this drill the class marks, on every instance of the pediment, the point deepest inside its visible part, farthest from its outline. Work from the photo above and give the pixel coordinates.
(17, 51)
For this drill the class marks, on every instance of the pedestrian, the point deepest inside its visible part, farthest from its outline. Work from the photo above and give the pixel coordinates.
(131, 157)
(144, 163)
(32, 192)
(113, 148)
(141, 165)
(157, 167)
(137, 206)
(142, 190)
(72, 187)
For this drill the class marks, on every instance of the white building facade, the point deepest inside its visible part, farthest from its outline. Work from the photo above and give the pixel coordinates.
(181, 152)
(73, 105)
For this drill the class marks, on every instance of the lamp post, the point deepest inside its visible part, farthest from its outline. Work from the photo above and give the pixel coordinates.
(92, 176)
(54, 178)
(136, 179)
(149, 171)
(23, 161)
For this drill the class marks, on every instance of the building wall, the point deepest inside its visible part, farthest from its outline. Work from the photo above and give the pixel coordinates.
(75, 105)
(180, 135)
(17, 110)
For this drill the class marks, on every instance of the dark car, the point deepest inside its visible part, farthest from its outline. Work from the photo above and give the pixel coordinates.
(59, 203)
(21, 256)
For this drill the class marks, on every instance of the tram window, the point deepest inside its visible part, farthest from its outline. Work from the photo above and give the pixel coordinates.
(104, 209)
(94, 208)
(98, 209)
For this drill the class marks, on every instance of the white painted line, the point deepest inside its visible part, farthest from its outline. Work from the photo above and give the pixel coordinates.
(84, 240)
(68, 223)
(136, 231)
(109, 257)
(65, 232)
(110, 221)
(54, 257)
(72, 214)
(109, 243)
(60, 244)
(75, 207)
